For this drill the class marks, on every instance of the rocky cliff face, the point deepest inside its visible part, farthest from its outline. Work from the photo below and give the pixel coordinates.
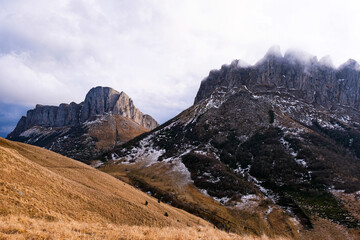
(73, 129)
(302, 75)
(102, 100)
(98, 101)
(49, 116)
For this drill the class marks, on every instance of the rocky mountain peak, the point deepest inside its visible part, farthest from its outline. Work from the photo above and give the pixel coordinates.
(103, 100)
(98, 102)
(272, 55)
(274, 51)
(350, 64)
(297, 73)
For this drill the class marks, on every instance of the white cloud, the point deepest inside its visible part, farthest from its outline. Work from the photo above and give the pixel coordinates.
(17, 78)
(156, 51)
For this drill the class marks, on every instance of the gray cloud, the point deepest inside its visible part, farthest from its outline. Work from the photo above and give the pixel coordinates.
(9, 116)
(156, 51)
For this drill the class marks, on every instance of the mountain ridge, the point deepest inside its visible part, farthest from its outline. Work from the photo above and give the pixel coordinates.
(296, 72)
(98, 101)
(82, 131)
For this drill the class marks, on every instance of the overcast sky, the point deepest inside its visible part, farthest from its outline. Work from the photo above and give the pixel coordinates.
(156, 51)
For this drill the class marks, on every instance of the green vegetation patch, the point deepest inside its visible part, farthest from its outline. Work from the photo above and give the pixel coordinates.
(318, 203)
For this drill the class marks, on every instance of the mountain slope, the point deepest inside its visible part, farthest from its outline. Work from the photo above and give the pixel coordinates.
(288, 160)
(44, 194)
(83, 131)
(41, 184)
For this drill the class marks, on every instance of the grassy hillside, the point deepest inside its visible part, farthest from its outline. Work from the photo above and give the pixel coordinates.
(46, 195)
(113, 129)
(166, 184)
(39, 229)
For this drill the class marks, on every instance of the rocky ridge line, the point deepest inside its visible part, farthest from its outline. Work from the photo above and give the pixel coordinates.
(299, 73)
(98, 101)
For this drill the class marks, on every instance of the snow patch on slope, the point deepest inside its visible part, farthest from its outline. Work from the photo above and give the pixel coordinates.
(30, 132)
(248, 201)
(293, 153)
(147, 154)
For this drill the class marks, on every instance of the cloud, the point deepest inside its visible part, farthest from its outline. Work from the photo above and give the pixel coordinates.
(9, 116)
(156, 51)
(17, 78)
(4, 130)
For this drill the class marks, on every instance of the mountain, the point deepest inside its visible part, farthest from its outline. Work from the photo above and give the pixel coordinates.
(269, 149)
(82, 131)
(298, 73)
(45, 195)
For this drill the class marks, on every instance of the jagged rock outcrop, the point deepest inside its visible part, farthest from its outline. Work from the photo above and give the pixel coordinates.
(48, 116)
(101, 100)
(298, 73)
(82, 131)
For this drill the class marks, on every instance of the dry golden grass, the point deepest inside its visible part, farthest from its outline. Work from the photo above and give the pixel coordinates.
(44, 195)
(114, 129)
(325, 229)
(160, 176)
(350, 202)
(41, 184)
(27, 228)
